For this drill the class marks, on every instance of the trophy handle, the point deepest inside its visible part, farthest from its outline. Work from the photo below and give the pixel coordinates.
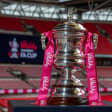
(43, 41)
(95, 40)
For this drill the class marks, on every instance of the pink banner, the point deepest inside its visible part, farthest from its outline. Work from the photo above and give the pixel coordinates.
(93, 89)
(46, 71)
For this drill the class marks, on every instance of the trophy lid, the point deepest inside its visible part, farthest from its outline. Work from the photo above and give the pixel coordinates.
(70, 25)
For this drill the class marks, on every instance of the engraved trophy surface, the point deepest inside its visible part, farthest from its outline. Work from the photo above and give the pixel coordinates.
(69, 91)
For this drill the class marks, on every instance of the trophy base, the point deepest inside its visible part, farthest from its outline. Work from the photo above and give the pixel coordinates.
(67, 101)
(28, 106)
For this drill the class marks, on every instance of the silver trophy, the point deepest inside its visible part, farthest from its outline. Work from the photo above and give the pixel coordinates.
(70, 60)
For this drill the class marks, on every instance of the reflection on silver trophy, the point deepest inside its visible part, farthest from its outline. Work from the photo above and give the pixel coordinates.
(69, 88)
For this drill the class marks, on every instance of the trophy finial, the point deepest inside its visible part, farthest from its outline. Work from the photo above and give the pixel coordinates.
(70, 14)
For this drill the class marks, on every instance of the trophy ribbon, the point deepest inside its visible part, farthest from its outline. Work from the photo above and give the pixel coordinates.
(46, 70)
(93, 89)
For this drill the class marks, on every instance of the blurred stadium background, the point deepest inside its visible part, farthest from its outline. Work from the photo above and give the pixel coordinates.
(22, 22)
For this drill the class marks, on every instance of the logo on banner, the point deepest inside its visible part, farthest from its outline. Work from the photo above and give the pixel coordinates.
(48, 59)
(14, 53)
(90, 60)
(45, 83)
(24, 49)
(28, 50)
(92, 79)
(92, 85)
